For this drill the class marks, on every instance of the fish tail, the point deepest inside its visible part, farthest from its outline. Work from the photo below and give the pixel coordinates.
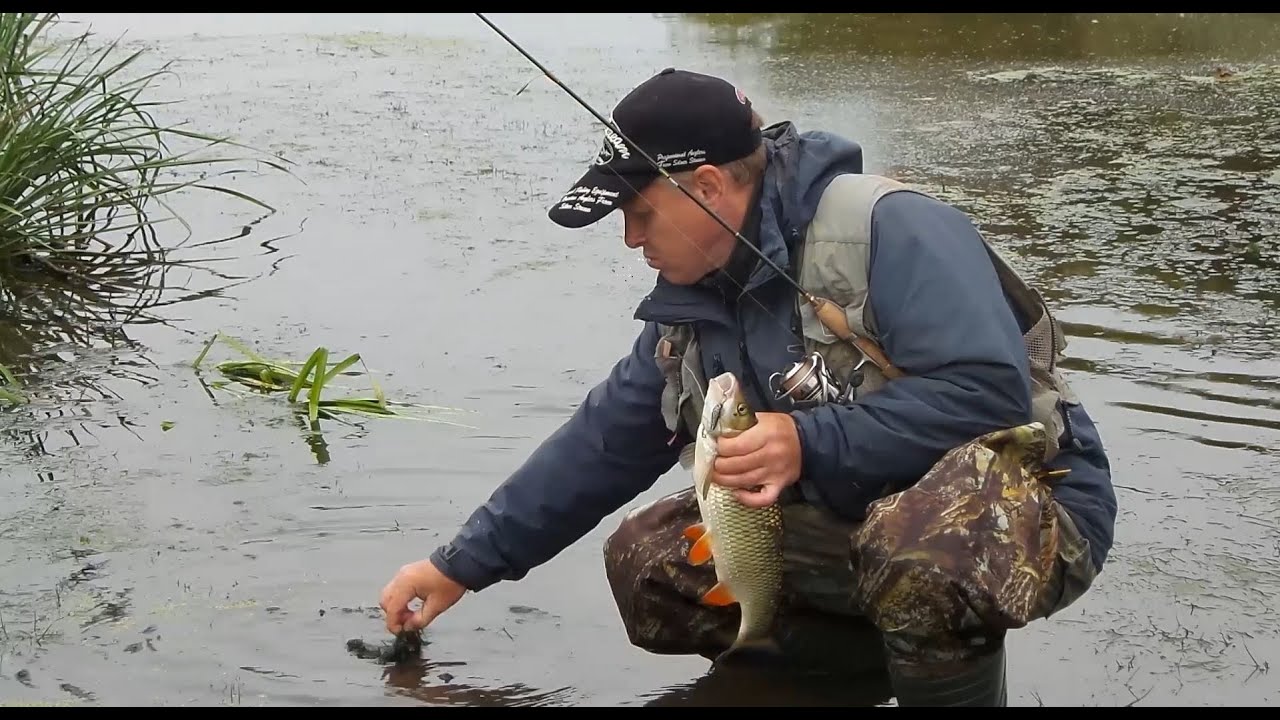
(753, 651)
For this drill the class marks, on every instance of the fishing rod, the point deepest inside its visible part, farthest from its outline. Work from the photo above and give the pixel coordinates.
(829, 314)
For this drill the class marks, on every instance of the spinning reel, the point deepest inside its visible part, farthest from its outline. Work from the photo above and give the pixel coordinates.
(810, 383)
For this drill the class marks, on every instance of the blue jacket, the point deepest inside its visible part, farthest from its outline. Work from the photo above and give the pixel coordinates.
(965, 357)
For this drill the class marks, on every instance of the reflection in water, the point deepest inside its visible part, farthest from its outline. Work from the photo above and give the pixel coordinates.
(434, 684)
(33, 431)
(1197, 415)
(743, 687)
(44, 316)
(65, 338)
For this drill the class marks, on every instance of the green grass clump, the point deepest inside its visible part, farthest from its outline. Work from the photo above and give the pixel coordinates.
(314, 376)
(82, 157)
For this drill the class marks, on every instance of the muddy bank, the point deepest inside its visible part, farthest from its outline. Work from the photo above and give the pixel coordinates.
(229, 558)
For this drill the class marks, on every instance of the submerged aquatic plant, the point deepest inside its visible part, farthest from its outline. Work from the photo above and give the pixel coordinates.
(313, 375)
(82, 158)
(9, 388)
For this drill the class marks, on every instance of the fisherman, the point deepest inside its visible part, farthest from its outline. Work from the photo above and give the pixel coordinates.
(932, 502)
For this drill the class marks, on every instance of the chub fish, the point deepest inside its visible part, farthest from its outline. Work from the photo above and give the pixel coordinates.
(743, 543)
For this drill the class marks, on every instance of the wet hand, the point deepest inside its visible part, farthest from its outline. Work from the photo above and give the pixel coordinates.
(760, 462)
(418, 580)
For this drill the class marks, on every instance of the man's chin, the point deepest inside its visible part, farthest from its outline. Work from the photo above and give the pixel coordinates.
(677, 278)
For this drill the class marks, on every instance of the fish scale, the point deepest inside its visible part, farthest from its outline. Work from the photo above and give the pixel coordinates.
(748, 542)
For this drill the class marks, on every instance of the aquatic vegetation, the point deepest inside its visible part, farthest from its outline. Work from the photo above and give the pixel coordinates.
(313, 375)
(9, 384)
(405, 646)
(82, 157)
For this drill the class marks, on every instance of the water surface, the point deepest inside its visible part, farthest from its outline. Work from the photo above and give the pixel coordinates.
(229, 558)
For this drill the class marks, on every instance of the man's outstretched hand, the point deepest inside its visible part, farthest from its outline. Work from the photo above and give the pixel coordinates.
(418, 580)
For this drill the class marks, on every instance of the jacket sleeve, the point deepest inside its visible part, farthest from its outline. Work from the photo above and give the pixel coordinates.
(942, 317)
(613, 448)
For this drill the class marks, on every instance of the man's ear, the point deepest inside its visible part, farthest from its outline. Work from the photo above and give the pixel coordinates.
(710, 182)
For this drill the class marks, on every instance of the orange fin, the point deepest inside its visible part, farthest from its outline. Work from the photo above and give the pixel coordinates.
(719, 596)
(695, 531)
(701, 550)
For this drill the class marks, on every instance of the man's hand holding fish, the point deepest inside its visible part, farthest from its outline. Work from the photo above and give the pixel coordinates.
(761, 462)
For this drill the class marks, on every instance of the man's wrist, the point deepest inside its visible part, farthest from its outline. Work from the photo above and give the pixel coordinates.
(461, 568)
(796, 446)
(800, 421)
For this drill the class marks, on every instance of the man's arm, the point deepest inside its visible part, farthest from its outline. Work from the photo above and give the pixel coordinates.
(611, 450)
(943, 319)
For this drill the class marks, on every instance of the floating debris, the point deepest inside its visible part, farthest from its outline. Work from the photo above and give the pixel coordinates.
(405, 646)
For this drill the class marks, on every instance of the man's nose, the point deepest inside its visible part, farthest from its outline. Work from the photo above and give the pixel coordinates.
(632, 236)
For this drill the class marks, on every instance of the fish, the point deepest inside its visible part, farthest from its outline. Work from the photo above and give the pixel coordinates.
(743, 543)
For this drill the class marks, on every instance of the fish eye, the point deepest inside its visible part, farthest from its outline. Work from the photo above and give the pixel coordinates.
(742, 408)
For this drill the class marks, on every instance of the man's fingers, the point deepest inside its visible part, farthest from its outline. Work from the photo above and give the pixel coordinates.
(395, 616)
(398, 620)
(738, 464)
(744, 444)
(393, 609)
(396, 597)
(744, 480)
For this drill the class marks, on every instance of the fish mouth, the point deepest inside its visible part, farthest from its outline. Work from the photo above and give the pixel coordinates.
(721, 391)
(725, 384)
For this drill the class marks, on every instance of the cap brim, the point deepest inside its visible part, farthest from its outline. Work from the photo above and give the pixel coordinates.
(596, 194)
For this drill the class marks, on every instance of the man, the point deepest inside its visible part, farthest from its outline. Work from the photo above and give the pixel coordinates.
(917, 517)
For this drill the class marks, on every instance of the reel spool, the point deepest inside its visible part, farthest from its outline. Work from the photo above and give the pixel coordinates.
(807, 383)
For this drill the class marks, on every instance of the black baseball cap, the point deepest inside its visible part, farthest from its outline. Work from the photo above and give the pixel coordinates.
(682, 119)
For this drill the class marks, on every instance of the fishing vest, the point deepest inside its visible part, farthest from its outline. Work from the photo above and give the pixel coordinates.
(834, 264)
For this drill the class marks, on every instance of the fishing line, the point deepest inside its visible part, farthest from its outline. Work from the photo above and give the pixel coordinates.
(612, 126)
(830, 315)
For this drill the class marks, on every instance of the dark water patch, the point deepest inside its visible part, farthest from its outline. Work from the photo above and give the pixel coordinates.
(1117, 335)
(1217, 443)
(997, 37)
(1198, 415)
(774, 688)
(427, 683)
(1262, 402)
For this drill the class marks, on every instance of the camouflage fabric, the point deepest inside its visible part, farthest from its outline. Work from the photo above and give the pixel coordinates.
(977, 547)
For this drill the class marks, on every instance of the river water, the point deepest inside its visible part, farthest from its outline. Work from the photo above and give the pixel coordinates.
(163, 543)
